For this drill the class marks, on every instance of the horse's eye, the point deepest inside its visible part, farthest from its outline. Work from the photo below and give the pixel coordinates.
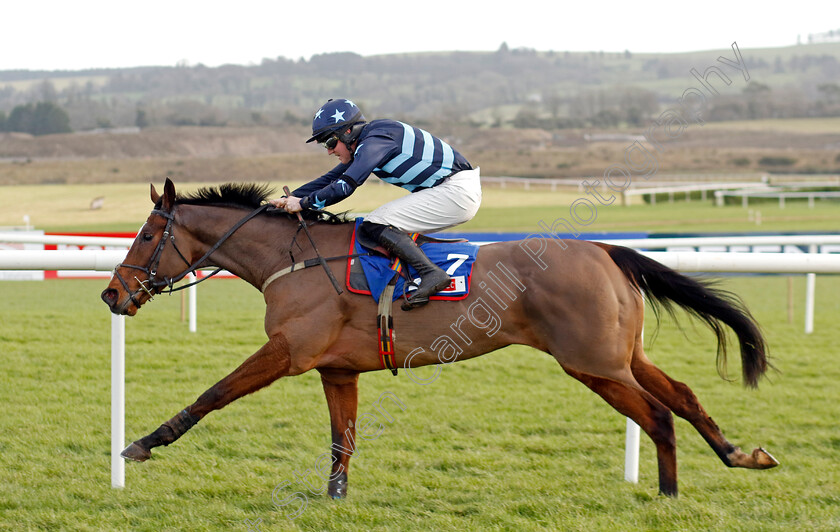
(147, 236)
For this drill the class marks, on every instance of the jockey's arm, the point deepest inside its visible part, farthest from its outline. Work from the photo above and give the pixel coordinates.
(330, 194)
(315, 187)
(317, 184)
(346, 177)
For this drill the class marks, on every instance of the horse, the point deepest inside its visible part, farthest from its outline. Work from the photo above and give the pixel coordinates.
(581, 302)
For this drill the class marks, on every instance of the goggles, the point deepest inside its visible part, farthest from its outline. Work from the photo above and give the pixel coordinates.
(331, 142)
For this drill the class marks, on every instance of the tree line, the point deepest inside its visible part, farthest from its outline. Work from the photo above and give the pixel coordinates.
(42, 118)
(506, 88)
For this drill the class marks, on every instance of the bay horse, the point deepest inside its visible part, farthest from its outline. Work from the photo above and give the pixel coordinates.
(581, 302)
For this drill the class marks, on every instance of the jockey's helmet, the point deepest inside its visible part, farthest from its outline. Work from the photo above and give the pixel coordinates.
(334, 118)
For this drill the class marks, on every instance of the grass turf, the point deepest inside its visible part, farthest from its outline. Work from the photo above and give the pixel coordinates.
(502, 442)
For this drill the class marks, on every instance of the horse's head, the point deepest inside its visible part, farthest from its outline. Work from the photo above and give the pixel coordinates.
(153, 262)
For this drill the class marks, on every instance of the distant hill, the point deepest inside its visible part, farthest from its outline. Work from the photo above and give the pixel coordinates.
(509, 87)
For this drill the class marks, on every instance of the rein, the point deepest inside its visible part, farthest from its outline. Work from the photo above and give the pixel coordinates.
(322, 261)
(151, 269)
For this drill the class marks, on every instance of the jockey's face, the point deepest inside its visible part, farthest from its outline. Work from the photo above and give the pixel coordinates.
(342, 151)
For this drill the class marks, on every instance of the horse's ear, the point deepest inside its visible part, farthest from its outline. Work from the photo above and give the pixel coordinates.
(168, 195)
(155, 195)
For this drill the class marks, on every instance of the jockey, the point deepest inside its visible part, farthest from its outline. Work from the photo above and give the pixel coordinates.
(444, 189)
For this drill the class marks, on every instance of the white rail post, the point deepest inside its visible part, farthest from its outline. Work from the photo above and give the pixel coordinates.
(632, 435)
(810, 290)
(631, 452)
(117, 400)
(193, 296)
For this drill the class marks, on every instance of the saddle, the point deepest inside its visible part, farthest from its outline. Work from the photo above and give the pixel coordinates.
(370, 268)
(372, 271)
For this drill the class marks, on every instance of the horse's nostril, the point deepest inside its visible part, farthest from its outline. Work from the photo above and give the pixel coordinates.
(109, 296)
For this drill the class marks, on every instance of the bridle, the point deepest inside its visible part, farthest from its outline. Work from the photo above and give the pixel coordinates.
(155, 285)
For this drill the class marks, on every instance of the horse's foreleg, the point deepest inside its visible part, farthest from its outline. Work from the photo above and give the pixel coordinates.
(342, 393)
(262, 368)
(682, 401)
(651, 415)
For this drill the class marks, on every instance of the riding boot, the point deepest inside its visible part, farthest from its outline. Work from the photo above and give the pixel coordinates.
(432, 278)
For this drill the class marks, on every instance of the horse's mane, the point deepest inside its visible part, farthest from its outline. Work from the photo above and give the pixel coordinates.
(245, 195)
(249, 196)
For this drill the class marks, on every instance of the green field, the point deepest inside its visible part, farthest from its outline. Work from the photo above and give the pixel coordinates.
(126, 206)
(502, 442)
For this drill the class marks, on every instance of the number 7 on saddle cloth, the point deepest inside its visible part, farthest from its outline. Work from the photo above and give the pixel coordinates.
(455, 258)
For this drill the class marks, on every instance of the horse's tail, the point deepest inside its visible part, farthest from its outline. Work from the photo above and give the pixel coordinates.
(663, 286)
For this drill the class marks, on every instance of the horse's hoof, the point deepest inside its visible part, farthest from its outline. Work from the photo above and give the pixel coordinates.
(763, 459)
(136, 453)
(338, 487)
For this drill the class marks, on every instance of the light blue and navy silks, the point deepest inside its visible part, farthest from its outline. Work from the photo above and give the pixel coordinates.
(455, 258)
(397, 153)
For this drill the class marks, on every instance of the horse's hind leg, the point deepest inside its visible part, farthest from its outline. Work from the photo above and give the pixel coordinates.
(262, 368)
(682, 401)
(651, 415)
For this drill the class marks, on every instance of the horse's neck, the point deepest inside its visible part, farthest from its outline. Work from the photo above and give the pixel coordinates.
(207, 225)
(261, 246)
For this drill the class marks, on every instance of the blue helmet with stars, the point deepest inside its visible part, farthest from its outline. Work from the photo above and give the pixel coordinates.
(336, 116)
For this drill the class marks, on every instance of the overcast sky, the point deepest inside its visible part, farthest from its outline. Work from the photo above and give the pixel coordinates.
(72, 35)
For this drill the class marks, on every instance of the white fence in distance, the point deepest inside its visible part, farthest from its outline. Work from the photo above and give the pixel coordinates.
(673, 190)
(779, 194)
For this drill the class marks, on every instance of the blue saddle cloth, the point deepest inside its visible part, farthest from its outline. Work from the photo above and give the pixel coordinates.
(455, 258)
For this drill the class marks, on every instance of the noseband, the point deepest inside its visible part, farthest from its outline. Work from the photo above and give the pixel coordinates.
(154, 285)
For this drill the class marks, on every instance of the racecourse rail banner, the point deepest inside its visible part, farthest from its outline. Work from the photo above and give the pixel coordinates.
(476, 238)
